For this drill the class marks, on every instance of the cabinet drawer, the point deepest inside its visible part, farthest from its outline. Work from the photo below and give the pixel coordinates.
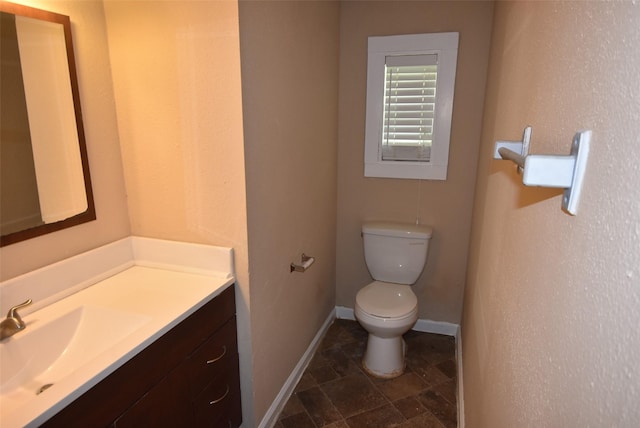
(219, 404)
(163, 406)
(209, 361)
(111, 397)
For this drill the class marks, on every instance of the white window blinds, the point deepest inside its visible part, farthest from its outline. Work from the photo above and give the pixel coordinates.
(409, 107)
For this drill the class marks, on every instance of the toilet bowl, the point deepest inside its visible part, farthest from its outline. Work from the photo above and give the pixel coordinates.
(386, 311)
(387, 308)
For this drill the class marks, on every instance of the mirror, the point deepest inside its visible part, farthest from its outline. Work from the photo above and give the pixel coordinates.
(44, 172)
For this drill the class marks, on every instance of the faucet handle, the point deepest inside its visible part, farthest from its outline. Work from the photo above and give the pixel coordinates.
(13, 311)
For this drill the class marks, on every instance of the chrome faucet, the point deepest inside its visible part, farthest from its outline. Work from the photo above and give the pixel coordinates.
(13, 323)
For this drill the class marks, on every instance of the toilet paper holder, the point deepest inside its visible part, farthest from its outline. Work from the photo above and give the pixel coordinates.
(305, 262)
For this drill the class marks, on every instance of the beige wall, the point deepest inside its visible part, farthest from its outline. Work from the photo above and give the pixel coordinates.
(176, 72)
(101, 131)
(445, 205)
(290, 87)
(550, 333)
(176, 69)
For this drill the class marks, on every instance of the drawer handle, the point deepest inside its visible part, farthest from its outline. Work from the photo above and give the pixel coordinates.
(224, 351)
(217, 400)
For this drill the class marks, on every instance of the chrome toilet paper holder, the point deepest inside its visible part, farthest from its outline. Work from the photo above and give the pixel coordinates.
(305, 262)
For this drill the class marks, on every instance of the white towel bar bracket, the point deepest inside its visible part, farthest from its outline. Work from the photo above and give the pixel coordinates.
(559, 171)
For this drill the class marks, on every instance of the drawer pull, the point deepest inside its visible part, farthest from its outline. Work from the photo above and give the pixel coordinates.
(224, 351)
(217, 400)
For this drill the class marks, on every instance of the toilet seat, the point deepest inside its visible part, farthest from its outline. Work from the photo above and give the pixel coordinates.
(387, 300)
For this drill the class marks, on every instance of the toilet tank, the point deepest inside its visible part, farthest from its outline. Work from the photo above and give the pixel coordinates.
(395, 252)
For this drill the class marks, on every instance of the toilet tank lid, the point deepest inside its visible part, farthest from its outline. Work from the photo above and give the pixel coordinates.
(403, 230)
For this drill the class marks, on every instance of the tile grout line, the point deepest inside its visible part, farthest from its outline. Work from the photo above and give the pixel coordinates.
(345, 340)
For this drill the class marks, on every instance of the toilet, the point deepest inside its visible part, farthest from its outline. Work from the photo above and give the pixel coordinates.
(395, 254)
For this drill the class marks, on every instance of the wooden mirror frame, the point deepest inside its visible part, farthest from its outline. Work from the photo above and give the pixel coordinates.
(90, 213)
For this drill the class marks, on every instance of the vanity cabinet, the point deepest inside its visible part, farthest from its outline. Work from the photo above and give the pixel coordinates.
(189, 377)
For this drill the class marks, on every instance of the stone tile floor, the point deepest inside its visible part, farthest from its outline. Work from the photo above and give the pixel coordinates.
(335, 391)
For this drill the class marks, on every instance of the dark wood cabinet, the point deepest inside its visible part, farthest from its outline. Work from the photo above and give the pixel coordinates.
(188, 377)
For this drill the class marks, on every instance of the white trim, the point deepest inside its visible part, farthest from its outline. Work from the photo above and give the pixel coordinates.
(436, 327)
(344, 313)
(425, 326)
(460, 397)
(279, 402)
(445, 46)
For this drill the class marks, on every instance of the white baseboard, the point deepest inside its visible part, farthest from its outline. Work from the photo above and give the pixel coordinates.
(459, 374)
(341, 312)
(437, 327)
(279, 402)
(425, 326)
(344, 313)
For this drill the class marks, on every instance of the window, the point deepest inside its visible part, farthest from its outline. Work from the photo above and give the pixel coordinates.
(410, 82)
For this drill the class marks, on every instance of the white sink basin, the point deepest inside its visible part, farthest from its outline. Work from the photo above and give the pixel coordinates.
(46, 352)
(77, 341)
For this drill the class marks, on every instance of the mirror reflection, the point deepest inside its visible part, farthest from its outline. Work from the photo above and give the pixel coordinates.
(44, 174)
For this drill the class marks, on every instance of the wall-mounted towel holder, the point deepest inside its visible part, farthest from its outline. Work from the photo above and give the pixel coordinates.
(305, 262)
(558, 171)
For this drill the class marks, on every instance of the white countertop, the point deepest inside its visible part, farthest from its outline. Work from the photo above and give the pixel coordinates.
(159, 298)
